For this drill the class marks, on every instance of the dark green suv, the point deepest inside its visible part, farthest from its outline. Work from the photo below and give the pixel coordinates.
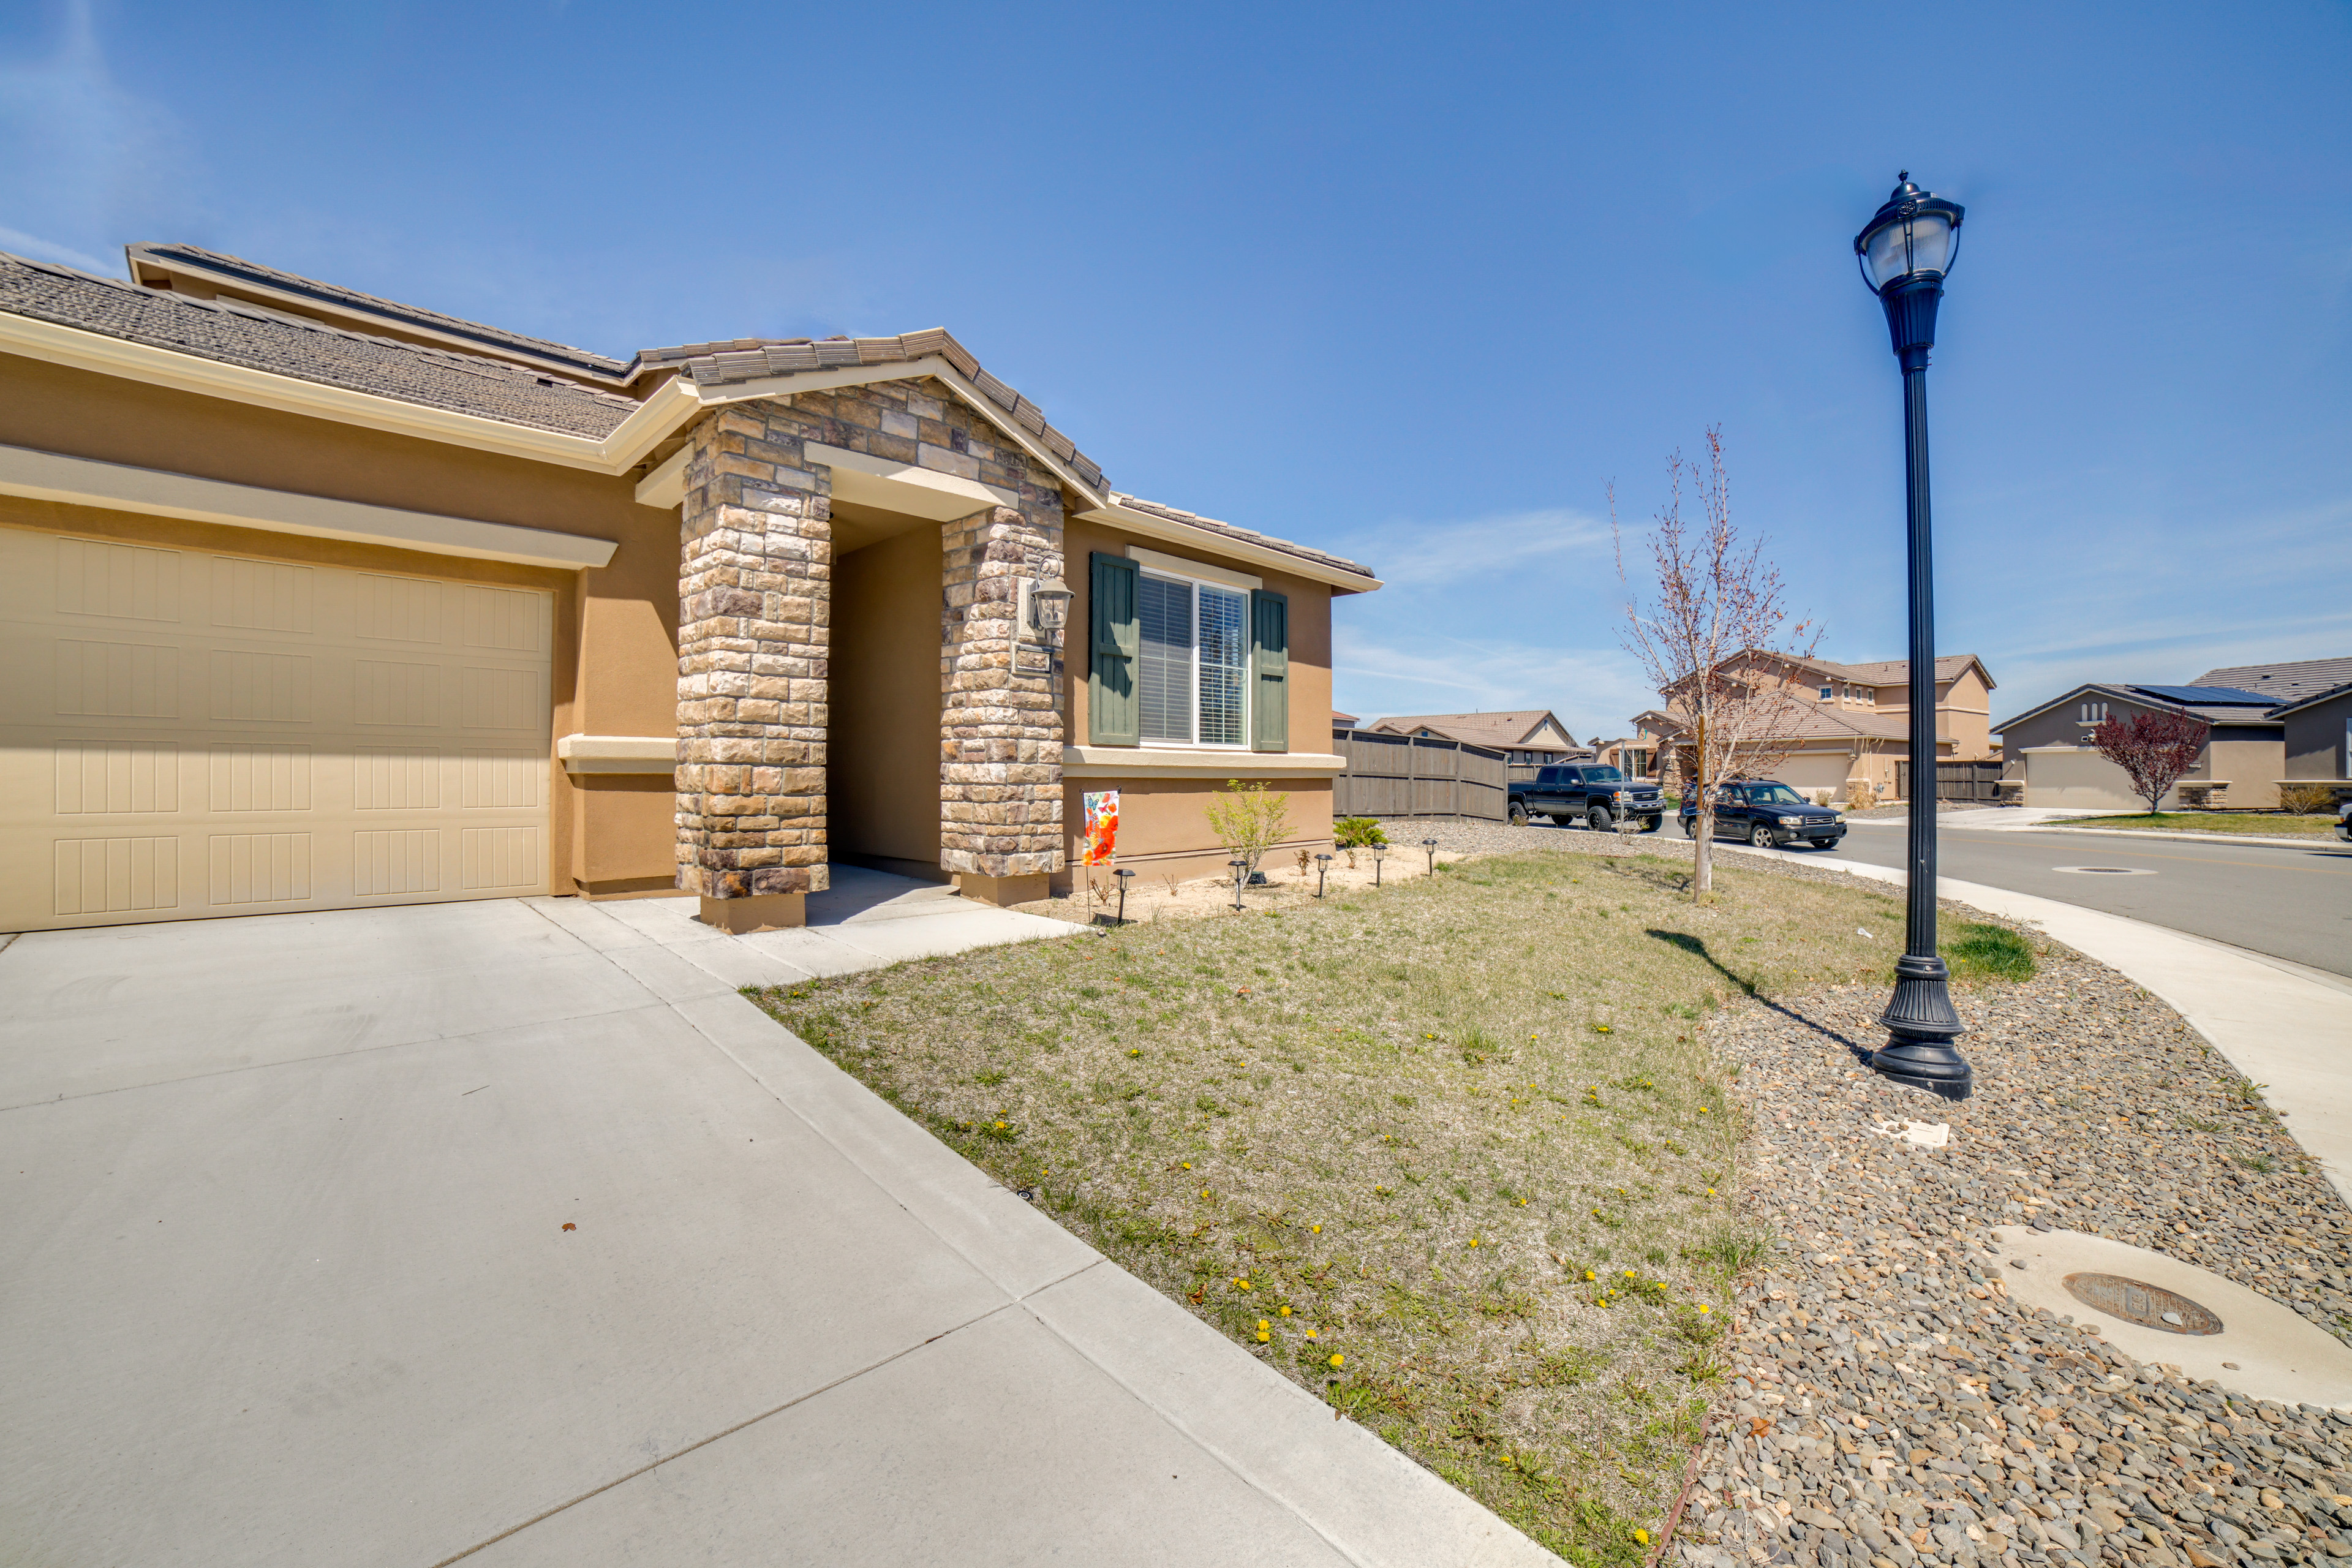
(1769, 815)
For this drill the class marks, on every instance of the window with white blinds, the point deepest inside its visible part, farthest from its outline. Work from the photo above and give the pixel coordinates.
(1194, 680)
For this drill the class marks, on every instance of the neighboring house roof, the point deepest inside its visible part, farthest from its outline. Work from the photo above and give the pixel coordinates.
(152, 260)
(2330, 694)
(2282, 682)
(2240, 708)
(1897, 671)
(1346, 718)
(230, 331)
(1511, 729)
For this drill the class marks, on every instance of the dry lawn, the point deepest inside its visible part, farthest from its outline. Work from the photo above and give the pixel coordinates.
(1445, 1153)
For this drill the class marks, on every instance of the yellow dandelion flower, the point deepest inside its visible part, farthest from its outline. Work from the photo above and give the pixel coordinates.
(1710, 1192)
(1285, 1312)
(1310, 1334)
(1262, 1323)
(1589, 1274)
(1243, 1283)
(1316, 1228)
(1135, 1053)
(1642, 1536)
(1702, 1110)
(1338, 1360)
(1474, 1241)
(1188, 1164)
(1629, 1274)
(1703, 1307)
(1265, 1338)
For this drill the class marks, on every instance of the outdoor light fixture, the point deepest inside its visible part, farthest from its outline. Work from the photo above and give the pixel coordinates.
(1322, 864)
(1380, 853)
(1042, 607)
(1122, 874)
(1905, 255)
(1241, 874)
(1430, 847)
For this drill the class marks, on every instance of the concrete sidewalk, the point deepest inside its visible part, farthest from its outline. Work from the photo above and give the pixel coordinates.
(2284, 1026)
(506, 1232)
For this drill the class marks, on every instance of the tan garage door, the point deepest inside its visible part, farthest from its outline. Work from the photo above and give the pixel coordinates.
(184, 734)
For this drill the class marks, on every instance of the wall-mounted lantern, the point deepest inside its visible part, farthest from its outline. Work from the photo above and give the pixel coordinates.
(1043, 609)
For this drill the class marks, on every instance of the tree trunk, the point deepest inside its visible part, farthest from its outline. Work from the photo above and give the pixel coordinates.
(1703, 847)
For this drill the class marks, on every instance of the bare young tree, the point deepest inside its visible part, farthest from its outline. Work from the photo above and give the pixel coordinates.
(1715, 640)
(2156, 750)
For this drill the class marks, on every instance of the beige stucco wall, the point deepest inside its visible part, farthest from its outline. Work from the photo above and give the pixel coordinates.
(615, 628)
(2317, 741)
(2079, 778)
(883, 753)
(2252, 761)
(1162, 828)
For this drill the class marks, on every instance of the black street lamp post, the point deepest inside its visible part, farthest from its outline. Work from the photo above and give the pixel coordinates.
(1905, 255)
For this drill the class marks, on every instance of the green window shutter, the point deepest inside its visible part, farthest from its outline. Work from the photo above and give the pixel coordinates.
(1270, 672)
(1114, 712)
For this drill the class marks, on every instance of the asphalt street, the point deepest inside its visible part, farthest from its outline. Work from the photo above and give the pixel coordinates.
(2294, 903)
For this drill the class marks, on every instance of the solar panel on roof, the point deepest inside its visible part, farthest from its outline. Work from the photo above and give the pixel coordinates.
(2207, 696)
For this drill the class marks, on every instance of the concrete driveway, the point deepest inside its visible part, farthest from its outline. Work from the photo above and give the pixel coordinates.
(506, 1232)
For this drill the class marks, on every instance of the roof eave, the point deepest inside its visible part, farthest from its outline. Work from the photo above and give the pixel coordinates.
(1153, 526)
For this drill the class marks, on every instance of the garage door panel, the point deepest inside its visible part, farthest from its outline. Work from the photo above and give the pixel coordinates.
(186, 734)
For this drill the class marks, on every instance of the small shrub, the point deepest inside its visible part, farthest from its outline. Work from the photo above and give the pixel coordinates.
(1356, 832)
(1859, 796)
(1982, 951)
(1248, 819)
(2307, 799)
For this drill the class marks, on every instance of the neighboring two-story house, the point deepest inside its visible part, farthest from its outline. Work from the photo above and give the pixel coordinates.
(1843, 723)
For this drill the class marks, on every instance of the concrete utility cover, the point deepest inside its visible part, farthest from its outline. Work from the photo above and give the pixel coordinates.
(2254, 1345)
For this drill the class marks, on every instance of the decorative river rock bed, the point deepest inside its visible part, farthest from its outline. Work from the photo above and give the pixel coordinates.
(1891, 1405)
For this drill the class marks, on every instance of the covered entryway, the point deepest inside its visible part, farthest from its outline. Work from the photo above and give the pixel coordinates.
(185, 733)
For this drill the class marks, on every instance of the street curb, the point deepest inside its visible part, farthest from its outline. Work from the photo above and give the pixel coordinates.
(2140, 833)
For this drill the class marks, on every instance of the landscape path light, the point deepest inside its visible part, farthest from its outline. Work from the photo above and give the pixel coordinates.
(1241, 875)
(1322, 864)
(1905, 254)
(1380, 853)
(1428, 848)
(1123, 874)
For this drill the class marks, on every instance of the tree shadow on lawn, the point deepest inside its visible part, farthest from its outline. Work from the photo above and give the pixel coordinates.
(1696, 947)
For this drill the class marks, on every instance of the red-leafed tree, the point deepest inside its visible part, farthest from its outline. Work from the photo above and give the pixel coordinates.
(2155, 750)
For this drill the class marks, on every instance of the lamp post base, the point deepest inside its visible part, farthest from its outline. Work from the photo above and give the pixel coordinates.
(1921, 1023)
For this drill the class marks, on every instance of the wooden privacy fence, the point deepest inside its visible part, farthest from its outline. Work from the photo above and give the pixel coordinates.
(1955, 781)
(1408, 776)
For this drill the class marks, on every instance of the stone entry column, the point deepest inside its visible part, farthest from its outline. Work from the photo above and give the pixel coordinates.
(999, 725)
(755, 592)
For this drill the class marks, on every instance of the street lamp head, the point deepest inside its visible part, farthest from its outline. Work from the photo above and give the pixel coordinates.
(1913, 238)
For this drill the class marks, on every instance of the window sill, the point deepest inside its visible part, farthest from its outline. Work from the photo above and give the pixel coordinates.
(1168, 761)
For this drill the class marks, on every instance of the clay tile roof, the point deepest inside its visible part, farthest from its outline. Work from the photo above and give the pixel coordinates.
(1233, 531)
(755, 359)
(231, 332)
(2282, 682)
(236, 269)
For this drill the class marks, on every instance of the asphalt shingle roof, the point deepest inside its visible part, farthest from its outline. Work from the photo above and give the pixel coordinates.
(1247, 535)
(237, 267)
(1506, 729)
(230, 331)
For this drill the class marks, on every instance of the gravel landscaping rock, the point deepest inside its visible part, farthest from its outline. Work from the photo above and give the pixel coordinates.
(1891, 1406)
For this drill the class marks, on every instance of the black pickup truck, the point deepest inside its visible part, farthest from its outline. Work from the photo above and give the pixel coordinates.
(1566, 791)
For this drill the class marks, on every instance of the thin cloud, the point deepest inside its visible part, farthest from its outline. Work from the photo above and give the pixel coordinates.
(41, 250)
(1595, 691)
(1419, 556)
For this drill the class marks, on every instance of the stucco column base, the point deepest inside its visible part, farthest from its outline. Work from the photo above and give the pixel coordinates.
(761, 911)
(1003, 891)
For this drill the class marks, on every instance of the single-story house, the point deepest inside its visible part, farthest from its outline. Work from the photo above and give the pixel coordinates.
(1846, 723)
(1528, 737)
(2270, 724)
(314, 599)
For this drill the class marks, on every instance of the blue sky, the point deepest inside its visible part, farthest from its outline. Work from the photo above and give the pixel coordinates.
(1409, 283)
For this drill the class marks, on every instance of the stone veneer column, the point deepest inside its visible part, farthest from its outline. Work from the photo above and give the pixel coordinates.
(755, 590)
(999, 727)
